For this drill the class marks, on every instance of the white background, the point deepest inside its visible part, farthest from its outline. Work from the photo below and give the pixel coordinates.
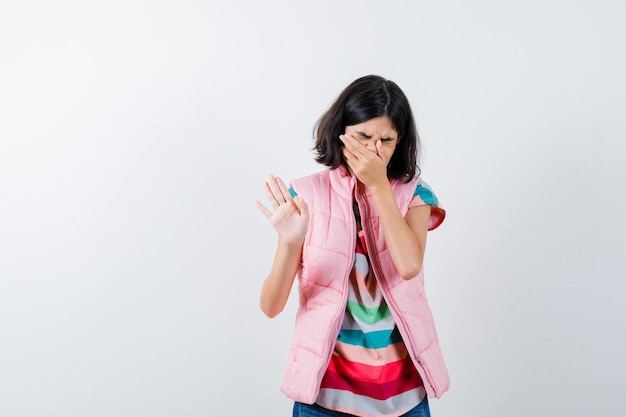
(135, 136)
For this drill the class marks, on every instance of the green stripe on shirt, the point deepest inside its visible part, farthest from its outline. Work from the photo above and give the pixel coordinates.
(367, 315)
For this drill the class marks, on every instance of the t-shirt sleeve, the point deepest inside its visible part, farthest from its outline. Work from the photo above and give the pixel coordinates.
(424, 195)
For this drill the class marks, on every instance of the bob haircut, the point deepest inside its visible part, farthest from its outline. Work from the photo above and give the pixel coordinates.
(364, 99)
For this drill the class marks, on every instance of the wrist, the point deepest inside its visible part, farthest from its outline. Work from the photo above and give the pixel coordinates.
(293, 244)
(379, 187)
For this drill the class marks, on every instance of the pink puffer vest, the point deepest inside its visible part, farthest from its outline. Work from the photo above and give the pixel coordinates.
(327, 260)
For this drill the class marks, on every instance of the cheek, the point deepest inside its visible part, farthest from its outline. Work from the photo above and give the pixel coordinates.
(389, 152)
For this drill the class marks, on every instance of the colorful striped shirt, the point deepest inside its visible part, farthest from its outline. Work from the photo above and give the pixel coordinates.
(370, 372)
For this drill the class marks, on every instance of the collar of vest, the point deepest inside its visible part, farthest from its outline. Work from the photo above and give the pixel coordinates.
(342, 181)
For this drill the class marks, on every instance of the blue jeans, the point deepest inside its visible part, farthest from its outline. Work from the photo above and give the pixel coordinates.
(305, 410)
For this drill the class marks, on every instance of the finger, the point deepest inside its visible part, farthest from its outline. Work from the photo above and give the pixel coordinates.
(349, 157)
(270, 195)
(350, 146)
(283, 189)
(276, 191)
(349, 142)
(379, 146)
(263, 209)
(357, 148)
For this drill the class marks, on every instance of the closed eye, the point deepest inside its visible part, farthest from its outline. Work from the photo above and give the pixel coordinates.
(365, 136)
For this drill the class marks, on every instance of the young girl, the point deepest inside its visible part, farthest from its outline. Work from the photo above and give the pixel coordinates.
(364, 342)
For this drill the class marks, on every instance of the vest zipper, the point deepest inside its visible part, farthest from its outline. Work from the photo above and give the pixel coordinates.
(375, 262)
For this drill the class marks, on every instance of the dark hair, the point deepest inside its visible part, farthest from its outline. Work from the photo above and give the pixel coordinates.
(364, 99)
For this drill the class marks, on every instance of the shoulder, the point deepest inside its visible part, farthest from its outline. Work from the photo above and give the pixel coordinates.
(425, 193)
(304, 184)
(313, 177)
(425, 196)
(403, 188)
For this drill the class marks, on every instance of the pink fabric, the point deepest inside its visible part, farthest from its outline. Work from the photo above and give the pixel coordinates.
(327, 260)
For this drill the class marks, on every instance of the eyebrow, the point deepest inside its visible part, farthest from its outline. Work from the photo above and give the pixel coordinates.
(366, 136)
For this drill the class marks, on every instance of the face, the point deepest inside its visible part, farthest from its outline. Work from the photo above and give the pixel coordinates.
(372, 131)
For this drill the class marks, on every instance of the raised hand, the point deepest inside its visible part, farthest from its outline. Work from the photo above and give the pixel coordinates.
(290, 217)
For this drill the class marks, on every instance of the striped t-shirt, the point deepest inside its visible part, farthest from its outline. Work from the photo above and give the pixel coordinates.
(370, 372)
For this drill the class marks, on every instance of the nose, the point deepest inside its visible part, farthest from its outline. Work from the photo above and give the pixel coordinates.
(371, 145)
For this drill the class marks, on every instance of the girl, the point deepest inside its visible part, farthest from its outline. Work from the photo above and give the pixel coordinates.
(364, 342)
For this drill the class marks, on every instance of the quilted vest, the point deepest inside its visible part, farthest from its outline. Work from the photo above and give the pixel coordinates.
(327, 260)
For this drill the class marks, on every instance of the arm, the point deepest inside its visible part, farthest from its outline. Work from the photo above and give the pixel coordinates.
(405, 237)
(277, 285)
(290, 219)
